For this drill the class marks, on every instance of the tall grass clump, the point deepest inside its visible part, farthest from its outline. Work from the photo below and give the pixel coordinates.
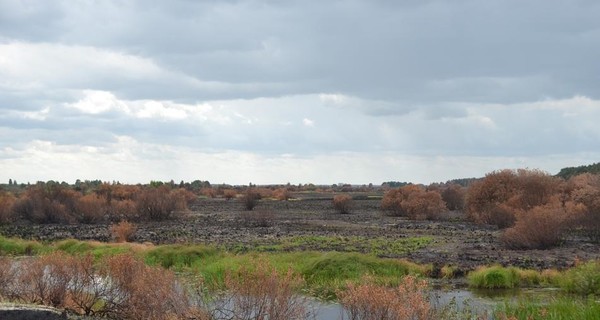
(494, 277)
(17, 247)
(180, 256)
(582, 279)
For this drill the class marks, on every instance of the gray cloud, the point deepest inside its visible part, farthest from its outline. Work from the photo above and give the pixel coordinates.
(302, 78)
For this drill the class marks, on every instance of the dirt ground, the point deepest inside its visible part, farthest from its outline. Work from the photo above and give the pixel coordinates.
(221, 222)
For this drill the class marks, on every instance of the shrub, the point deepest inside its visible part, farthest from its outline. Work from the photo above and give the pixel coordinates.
(123, 231)
(342, 203)
(370, 301)
(7, 202)
(539, 228)
(43, 280)
(260, 218)
(229, 194)
(138, 291)
(250, 199)
(160, 203)
(413, 202)
(585, 190)
(282, 194)
(495, 199)
(264, 293)
(123, 210)
(47, 203)
(90, 209)
(454, 197)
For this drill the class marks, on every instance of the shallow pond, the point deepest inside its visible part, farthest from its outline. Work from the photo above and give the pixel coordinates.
(459, 298)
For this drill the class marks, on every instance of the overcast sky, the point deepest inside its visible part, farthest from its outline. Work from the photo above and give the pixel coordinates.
(296, 91)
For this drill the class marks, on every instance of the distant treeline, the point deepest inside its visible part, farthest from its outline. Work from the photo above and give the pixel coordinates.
(569, 172)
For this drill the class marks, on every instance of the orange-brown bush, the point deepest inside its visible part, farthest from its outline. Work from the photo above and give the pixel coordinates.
(584, 189)
(142, 292)
(123, 210)
(342, 203)
(90, 209)
(369, 301)
(282, 194)
(494, 199)
(118, 287)
(264, 293)
(47, 203)
(44, 280)
(454, 197)
(160, 203)
(123, 231)
(413, 202)
(229, 194)
(541, 227)
(208, 192)
(7, 201)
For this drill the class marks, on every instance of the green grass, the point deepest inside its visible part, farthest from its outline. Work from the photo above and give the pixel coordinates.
(583, 279)
(497, 277)
(20, 247)
(180, 256)
(380, 246)
(563, 308)
(494, 277)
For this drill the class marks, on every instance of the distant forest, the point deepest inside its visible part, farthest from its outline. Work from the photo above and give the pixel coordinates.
(569, 172)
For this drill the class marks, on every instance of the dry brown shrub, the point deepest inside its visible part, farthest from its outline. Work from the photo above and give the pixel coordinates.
(123, 231)
(142, 292)
(157, 204)
(368, 301)
(123, 210)
(541, 227)
(229, 194)
(86, 289)
(282, 194)
(43, 280)
(208, 192)
(90, 209)
(7, 201)
(584, 189)
(118, 287)
(47, 203)
(263, 293)
(424, 205)
(454, 197)
(414, 202)
(342, 203)
(258, 218)
(8, 273)
(495, 199)
(250, 199)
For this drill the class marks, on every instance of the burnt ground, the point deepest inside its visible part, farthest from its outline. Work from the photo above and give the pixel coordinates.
(456, 241)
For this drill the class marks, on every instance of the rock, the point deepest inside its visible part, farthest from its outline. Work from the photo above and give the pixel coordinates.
(30, 312)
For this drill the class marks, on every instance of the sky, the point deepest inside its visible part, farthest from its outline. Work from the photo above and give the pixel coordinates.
(305, 91)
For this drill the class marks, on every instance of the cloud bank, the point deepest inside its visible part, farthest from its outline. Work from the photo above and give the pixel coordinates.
(298, 91)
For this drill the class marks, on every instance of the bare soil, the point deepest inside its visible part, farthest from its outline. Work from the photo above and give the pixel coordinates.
(456, 241)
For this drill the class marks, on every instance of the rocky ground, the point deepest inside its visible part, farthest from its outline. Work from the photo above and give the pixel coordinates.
(216, 221)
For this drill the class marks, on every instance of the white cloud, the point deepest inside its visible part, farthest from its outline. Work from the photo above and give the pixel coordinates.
(308, 122)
